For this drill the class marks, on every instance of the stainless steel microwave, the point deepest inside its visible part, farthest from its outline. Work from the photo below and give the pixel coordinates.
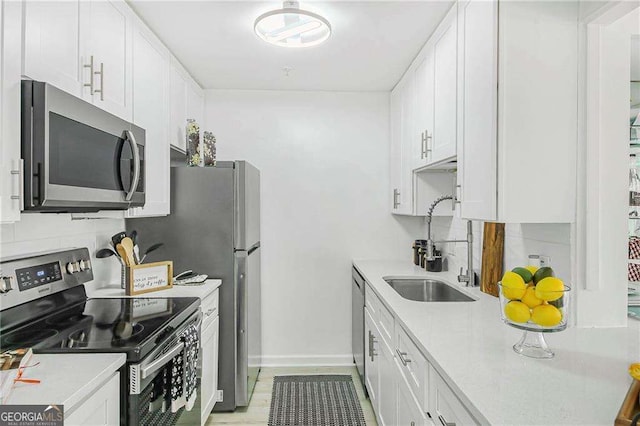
(77, 157)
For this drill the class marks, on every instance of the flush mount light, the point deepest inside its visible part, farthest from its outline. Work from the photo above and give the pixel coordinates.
(292, 27)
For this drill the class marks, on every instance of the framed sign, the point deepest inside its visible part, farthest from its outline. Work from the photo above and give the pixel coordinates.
(149, 277)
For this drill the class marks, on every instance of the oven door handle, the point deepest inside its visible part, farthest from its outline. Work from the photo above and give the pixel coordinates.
(158, 363)
(136, 160)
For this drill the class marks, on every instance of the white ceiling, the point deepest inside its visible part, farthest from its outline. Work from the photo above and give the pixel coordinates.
(372, 44)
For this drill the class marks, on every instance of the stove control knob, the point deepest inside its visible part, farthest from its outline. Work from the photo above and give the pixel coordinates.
(84, 265)
(73, 267)
(5, 285)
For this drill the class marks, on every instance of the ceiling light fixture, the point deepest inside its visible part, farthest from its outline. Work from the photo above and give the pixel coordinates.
(292, 27)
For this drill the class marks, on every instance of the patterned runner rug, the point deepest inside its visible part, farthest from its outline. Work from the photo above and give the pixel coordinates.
(315, 400)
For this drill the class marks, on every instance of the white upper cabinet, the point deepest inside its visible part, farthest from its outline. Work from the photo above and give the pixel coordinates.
(178, 106)
(150, 111)
(11, 170)
(407, 126)
(52, 44)
(443, 142)
(82, 47)
(395, 149)
(106, 29)
(424, 113)
(195, 104)
(477, 103)
(518, 120)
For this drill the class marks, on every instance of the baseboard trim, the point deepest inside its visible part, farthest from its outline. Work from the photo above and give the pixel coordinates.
(307, 360)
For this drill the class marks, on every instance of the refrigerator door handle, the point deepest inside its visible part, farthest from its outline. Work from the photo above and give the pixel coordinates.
(254, 248)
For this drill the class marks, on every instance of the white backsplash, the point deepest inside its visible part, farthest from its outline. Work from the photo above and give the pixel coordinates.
(38, 232)
(521, 240)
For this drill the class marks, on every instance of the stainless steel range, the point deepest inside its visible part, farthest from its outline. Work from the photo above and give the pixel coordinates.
(45, 306)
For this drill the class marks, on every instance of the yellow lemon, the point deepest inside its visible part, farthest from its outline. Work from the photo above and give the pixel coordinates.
(517, 311)
(531, 268)
(550, 289)
(634, 371)
(530, 298)
(513, 286)
(546, 315)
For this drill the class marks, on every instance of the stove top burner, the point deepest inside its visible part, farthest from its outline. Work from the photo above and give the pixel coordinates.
(64, 320)
(30, 337)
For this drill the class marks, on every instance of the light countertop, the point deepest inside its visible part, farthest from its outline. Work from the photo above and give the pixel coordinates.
(201, 291)
(471, 348)
(65, 379)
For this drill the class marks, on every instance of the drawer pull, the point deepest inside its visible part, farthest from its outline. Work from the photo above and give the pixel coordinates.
(209, 312)
(372, 350)
(401, 355)
(444, 422)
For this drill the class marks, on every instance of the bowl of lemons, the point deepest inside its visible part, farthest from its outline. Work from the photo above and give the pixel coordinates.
(534, 300)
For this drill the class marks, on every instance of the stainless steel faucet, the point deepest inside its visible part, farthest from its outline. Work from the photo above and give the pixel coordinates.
(469, 278)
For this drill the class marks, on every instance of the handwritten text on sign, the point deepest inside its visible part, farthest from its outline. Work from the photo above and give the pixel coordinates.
(148, 278)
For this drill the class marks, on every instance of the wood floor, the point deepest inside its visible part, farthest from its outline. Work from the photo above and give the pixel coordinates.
(257, 413)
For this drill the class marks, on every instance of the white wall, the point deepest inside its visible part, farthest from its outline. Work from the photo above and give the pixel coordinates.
(323, 158)
(38, 232)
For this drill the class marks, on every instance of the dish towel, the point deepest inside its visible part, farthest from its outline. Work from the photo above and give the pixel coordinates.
(184, 372)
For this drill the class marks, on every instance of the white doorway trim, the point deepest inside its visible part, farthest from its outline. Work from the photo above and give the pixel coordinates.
(602, 213)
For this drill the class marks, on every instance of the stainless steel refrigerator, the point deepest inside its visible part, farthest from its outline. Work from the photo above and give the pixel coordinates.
(214, 229)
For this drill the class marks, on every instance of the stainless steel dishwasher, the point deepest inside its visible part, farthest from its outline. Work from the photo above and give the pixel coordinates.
(357, 321)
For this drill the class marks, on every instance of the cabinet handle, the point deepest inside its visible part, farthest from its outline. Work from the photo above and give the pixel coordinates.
(428, 139)
(90, 83)
(403, 360)
(396, 195)
(422, 146)
(101, 74)
(209, 312)
(372, 351)
(444, 422)
(18, 170)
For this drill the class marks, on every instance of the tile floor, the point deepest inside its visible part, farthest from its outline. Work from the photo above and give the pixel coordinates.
(257, 413)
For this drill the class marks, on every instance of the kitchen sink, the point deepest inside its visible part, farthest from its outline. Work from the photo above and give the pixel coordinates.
(426, 290)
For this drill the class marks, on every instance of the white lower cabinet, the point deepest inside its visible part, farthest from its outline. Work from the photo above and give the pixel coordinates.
(444, 406)
(403, 386)
(209, 339)
(371, 376)
(387, 383)
(408, 409)
(102, 408)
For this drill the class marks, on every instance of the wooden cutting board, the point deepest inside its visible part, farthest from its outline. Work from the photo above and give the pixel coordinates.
(492, 257)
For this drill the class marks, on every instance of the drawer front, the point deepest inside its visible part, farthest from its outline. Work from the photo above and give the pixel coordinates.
(408, 410)
(385, 324)
(372, 302)
(446, 408)
(414, 366)
(210, 308)
(101, 408)
(381, 315)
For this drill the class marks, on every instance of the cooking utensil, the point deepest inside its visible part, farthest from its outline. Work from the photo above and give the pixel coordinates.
(123, 254)
(127, 243)
(136, 249)
(105, 252)
(117, 238)
(151, 248)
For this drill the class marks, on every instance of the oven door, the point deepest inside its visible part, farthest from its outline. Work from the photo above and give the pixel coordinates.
(140, 409)
(78, 158)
